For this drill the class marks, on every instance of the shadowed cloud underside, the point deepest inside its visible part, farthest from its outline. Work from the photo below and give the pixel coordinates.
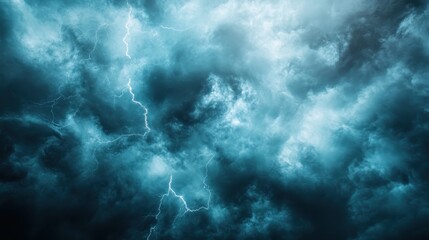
(222, 119)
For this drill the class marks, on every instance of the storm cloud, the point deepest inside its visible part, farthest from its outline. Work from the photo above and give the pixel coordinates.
(217, 119)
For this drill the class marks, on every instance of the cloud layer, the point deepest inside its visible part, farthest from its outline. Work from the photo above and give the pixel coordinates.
(227, 120)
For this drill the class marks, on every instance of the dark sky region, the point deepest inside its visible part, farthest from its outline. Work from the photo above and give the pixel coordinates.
(221, 119)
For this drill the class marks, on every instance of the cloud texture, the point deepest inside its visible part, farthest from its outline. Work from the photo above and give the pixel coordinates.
(227, 120)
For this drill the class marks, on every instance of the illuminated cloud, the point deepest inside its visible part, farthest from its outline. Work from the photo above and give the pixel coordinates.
(218, 119)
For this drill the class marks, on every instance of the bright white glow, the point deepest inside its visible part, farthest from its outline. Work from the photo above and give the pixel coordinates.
(127, 27)
(182, 199)
(133, 99)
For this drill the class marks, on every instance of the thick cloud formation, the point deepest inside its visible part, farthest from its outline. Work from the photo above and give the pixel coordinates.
(214, 119)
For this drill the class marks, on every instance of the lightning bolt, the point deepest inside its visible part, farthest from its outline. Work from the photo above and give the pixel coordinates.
(52, 103)
(133, 99)
(129, 86)
(130, 90)
(115, 96)
(175, 29)
(182, 199)
(96, 40)
(127, 27)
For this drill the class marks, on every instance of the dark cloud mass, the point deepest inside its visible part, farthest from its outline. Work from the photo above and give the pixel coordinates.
(217, 119)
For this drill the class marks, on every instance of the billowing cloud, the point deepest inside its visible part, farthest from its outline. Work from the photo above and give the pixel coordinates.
(214, 120)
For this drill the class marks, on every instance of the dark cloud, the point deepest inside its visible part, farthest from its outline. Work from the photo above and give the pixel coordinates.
(271, 120)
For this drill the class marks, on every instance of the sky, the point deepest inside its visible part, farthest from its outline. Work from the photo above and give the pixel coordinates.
(223, 119)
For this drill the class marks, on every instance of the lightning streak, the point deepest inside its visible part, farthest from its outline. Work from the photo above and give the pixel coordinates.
(127, 27)
(170, 190)
(133, 99)
(182, 199)
(96, 40)
(60, 98)
(175, 29)
(118, 96)
(130, 88)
